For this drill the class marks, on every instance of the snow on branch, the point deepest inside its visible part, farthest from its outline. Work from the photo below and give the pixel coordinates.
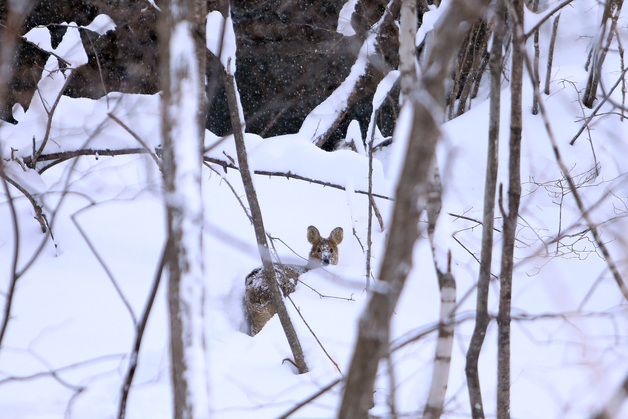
(324, 118)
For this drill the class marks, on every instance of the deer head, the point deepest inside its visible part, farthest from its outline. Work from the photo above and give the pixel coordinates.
(258, 303)
(324, 250)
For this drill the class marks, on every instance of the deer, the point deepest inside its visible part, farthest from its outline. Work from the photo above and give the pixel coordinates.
(259, 308)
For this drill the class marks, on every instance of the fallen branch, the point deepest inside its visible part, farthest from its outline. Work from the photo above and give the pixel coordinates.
(62, 156)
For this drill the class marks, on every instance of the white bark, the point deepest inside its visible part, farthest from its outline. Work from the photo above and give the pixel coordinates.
(407, 48)
(424, 113)
(182, 142)
(444, 345)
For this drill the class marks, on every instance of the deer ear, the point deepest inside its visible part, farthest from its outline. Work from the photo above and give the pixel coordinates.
(336, 235)
(313, 235)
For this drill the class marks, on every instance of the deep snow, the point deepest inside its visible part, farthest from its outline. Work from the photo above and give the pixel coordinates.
(67, 311)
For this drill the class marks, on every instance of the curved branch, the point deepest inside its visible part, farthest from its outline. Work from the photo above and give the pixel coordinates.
(16, 253)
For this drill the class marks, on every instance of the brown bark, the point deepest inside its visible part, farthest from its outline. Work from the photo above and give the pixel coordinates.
(470, 66)
(592, 226)
(11, 30)
(10, 293)
(426, 104)
(183, 207)
(258, 224)
(598, 55)
(510, 218)
(537, 52)
(490, 183)
(550, 55)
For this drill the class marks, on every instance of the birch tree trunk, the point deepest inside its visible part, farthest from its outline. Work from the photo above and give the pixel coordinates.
(425, 105)
(407, 49)
(182, 136)
(444, 344)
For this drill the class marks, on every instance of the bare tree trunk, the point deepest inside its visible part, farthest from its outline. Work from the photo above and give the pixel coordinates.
(550, 55)
(444, 344)
(613, 406)
(426, 103)
(182, 103)
(258, 224)
(510, 218)
(10, 30)
(447, 287)
(537, 52)
(407, 49)
(470, 66)
(488, 219)
(16, 12)
(598, 53)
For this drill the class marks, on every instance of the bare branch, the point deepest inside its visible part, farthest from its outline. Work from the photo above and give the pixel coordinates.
(137, 138)
(550, 55)
(598, 107)
(545, 17)
(16, 253)
(103, 264)
(488, 219)
(426, 107)
(258, 223)
(574, 190)
(139, 335)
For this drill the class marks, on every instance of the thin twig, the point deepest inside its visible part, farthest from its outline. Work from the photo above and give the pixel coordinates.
(598, 107)
(545, 17)
(137, 138)
(550, 55)
(620, 49)
(289, 175)
(313, 397)
(139, 334)
(16, 253)
(54, 373)
(39, 212)
(103, 264)
(50, 113)
(62, 156)
(315, 337)
(572, 186)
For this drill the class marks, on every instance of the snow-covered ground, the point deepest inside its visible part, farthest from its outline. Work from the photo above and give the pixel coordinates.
(67, 346)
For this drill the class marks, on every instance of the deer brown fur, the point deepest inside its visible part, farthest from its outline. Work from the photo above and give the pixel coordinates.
(257, 295)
